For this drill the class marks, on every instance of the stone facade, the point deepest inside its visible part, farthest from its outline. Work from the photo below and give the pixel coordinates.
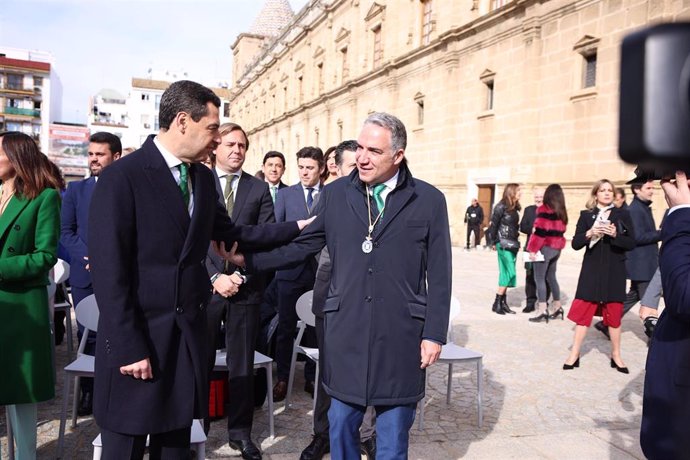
(491, 91)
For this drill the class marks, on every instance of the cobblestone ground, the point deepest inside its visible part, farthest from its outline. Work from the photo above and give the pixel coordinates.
(532, 408)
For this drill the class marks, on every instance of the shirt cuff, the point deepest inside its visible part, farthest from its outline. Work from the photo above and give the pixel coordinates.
(680, 206)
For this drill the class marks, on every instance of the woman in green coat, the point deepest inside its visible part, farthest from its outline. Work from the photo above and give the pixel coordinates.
(29, 231)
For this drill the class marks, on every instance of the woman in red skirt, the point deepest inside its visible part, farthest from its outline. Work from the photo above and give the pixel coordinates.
(606, 233)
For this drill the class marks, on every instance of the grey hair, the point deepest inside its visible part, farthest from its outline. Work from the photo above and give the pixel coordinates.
(392, 124)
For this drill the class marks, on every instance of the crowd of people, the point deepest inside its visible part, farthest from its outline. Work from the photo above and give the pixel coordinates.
(186, 253)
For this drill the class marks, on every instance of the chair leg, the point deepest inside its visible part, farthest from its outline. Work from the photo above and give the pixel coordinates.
(480, 391)
(75, 400)
(63, 415)
(269, 393)
(291, 377)
(450, 381)
(10, 435)
(201, 451)
(316, 389)
(97, 452)
(68, 327)
(421, 409)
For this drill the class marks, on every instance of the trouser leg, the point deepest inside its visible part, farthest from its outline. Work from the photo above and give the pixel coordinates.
(23, 418)
(323, 400)
(345, 420)
(393, 425)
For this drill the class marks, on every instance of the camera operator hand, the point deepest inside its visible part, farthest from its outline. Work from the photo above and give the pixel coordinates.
(676, 193)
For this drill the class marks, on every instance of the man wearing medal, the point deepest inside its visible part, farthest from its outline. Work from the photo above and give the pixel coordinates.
(386, 314)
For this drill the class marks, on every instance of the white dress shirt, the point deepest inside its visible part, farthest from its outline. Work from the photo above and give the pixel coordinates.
(173, 162)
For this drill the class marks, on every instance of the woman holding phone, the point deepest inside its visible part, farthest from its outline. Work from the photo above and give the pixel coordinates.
(606, 233)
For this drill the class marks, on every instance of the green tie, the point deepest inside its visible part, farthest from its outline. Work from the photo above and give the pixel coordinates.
(228, 193)
(378, 199)
(184, 186)
(274, 188)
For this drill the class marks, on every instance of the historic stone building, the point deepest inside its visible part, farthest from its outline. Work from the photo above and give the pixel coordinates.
(491, 91)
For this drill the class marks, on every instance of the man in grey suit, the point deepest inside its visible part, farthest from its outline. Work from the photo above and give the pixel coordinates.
(248, 201)
(294, 203)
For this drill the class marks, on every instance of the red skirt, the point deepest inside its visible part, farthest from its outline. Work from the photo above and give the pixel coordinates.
(581, 312)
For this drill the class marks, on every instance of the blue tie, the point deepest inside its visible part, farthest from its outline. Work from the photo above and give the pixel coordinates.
(310, 198)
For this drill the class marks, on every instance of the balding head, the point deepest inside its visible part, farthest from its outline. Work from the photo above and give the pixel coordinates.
(538, 195)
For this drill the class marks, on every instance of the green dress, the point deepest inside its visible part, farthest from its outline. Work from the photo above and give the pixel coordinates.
(29, 232)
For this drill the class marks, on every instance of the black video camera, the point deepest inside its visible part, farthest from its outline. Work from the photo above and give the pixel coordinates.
(654, 128)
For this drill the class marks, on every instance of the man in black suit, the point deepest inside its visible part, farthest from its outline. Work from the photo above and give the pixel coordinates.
(293, 203)
(526, 225)
(152, 218)
(273, 168)
(248, 202)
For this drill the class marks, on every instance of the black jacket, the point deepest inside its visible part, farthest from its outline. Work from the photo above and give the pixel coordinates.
(504, 224)
(602, 276)
(474, 215)
(644, 259)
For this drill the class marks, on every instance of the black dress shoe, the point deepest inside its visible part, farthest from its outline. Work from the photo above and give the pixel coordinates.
(603, 329)
(529, 309)
(279, 391)
(368, 448)
(246, 447)
(317, 448)
(85, 404)
(309, 387)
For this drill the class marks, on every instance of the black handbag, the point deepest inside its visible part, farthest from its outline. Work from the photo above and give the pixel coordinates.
(509, 244)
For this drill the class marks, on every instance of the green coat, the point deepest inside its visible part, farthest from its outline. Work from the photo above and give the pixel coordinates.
(29, 232)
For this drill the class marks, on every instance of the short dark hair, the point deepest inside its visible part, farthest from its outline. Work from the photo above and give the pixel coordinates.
(350, 146)
(619, 191)
(111, 139)
(637, 185)
(185, 96)
(274, 154)
(314, 153)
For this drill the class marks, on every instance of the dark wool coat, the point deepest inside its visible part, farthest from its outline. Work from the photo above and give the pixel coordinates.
(643, 261)
(29, 231)
(382, 304)
(148, 267)
(666, 404)
(602, 276)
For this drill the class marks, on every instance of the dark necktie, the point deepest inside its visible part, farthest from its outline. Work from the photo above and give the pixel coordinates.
(229, 194)
(310, 198)
(184, 186)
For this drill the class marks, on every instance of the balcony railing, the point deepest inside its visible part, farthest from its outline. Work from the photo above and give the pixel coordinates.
(25, 112)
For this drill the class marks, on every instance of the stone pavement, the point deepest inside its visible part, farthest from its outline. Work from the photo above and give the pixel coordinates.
(532, 408)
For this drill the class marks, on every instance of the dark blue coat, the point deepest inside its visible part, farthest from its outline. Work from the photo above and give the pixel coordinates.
(642, 262)
(74, 226)
(666, 404)
(292, 205)
(380, 305)
(147, 258)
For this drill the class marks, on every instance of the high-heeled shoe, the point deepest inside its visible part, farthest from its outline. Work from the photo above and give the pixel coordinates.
(539, 318)
(567, 367)
(622, 370)
(555, 314)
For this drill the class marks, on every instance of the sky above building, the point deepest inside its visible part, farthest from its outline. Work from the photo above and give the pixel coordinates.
(104, 43)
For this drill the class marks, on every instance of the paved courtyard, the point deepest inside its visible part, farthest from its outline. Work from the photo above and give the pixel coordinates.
(532, 408)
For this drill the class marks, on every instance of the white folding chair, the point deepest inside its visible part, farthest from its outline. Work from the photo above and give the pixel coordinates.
(259, 361)
(83, 366)
(197, 441)
(451, 354)
(60, 276)
(306, 318)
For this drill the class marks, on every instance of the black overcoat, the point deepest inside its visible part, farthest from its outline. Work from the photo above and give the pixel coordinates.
(147, 259)
(602, 276)
(380, 305)
(643, 261)
(666, 404)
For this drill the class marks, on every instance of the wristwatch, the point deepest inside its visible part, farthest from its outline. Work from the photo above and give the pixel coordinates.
(214, 278)
(242, 277)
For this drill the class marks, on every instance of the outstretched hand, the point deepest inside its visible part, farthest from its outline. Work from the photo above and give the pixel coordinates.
(231, 256)
(304, 222)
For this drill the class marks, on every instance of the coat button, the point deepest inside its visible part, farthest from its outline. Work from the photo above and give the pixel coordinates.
(367, 299)
(10, 249)
(376, 244)
(201, 306)
(179, 310)
(370, 270)
(17, 227)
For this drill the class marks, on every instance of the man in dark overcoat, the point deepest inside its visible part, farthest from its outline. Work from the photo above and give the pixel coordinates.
(386, 314)
(152, 218)
(666, 402)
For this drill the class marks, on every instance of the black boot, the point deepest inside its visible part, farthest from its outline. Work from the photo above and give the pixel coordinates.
(496, 307)
(504, 305)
